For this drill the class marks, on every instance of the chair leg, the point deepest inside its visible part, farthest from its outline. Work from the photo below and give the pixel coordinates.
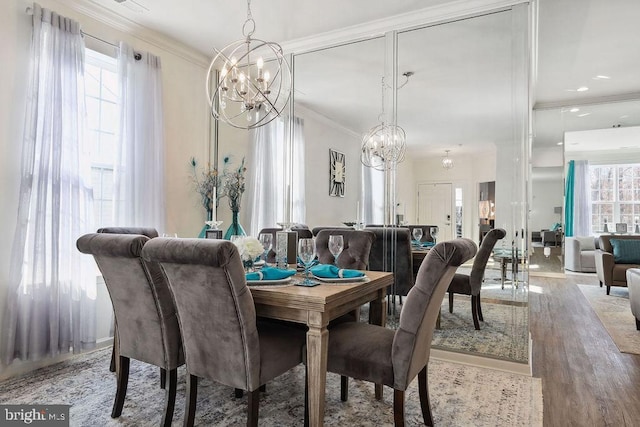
(112, 365)
(254, 407)
(190, 401)
(121, 392)
(379, 391)
(398, 408)
(163, 378)
(474, 312)
(608, 289)
(450, 302)
(600, 284)
(637, 324)
(423, 386)
(170, 397)
(480, 317)
(344, 388)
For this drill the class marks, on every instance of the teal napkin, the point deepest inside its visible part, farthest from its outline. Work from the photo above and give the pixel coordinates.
(427, 244)
(332, 272)
(270, 273)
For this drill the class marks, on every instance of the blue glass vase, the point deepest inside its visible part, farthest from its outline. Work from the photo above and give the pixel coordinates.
(235, 229)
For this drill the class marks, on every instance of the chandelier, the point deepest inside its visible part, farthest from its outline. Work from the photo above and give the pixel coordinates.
(447, 163)
(384, 144)
(252, 80)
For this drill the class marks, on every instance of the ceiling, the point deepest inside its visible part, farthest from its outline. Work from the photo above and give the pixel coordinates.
(457, 98)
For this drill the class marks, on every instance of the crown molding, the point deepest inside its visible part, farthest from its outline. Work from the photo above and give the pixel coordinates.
(441, 13)
(609, 99)
(120, 23)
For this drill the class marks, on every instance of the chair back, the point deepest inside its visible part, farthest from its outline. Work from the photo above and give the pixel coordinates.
(144, 231)
(381, 255)
(355, 254)
(215, 308)
(317, 230)
(145, 315)
(412, 340)
(480, 262)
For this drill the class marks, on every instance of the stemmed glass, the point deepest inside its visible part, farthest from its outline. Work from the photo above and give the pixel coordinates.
(266, 239)
(336, 245)
(417, 235)
(434, 234)
(307, 253)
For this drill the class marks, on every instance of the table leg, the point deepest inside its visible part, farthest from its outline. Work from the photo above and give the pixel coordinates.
(378, 316)
(503, 268)
(317, 346)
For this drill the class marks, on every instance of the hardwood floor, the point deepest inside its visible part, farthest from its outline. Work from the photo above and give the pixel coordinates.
(586, 381)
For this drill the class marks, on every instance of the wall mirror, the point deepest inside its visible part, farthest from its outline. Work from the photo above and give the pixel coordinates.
(456, 100)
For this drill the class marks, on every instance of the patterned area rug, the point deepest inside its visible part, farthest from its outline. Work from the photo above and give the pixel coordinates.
(460, 396)
(614, 312)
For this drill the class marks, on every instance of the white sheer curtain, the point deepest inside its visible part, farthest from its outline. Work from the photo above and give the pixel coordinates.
(139, 169)
(267, 175)
(372, 195)
(51, 296)
(582, 199)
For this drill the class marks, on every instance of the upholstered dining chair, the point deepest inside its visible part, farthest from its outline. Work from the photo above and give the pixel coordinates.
(394, 357)
(385, 237)
(150, 233)
(222, 339)
(355, 253)
(471, 284)
(147, 326)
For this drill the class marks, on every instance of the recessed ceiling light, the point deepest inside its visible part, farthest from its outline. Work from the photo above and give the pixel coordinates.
(601, 78)
(582, 89)
(559, 143)
(583, 114)
(624, 117)
(574, 110)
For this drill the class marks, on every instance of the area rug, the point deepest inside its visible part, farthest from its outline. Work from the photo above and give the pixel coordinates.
(460, 396)
(614, 312)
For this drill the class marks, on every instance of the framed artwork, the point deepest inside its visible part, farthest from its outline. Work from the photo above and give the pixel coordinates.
(336, 173)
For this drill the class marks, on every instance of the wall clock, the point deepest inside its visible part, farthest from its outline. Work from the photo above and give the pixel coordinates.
(336, 173)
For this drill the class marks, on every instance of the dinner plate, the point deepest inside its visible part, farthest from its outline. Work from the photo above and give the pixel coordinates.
(340, 279)
(268, 282)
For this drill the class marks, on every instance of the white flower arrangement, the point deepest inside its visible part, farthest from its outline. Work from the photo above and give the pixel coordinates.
(250, 248)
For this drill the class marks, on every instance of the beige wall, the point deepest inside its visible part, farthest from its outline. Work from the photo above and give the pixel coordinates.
(185, 116)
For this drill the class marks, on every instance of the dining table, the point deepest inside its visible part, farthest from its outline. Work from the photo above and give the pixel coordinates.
(315, 307)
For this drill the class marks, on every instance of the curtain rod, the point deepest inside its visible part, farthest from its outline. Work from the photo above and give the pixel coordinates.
(136, 55)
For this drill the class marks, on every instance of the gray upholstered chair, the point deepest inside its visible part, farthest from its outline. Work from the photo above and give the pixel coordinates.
(385, 237)
(303, 233)
(317, 230)
(580, 254)
(470, 284)
(355, 254)
(150, 233)
(394, 357)
(147, 327)
(222, 339)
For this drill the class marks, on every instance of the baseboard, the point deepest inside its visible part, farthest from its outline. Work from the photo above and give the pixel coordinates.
(483, 362)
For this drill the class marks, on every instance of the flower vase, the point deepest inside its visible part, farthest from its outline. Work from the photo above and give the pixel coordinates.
(248, 266)
(203, 232)
(235, 229)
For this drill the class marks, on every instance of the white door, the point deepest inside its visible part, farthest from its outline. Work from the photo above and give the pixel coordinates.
(435, 207)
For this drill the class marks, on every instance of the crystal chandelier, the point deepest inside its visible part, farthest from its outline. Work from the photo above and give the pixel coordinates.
(384, 144)
(447, 163)
(249, 81)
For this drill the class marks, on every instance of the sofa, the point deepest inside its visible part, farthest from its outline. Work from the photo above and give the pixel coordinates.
(580, 254)
(633, 282)
(617, 254)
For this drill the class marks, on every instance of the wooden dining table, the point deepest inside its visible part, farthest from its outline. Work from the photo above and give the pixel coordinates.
(316, 307)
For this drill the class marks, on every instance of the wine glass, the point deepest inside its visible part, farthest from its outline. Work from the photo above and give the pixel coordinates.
(434, 233)
(417, 235)
(267, 242)
(306, 253)
(336, 245)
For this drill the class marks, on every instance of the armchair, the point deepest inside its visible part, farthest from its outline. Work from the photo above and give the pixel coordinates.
(616, 255)
(580, 254)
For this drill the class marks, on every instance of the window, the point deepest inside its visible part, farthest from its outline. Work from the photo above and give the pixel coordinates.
(458, 192)
(101, 97)
(615, 196)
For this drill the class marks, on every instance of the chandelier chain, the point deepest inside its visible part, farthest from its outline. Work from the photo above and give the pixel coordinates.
(245, 27)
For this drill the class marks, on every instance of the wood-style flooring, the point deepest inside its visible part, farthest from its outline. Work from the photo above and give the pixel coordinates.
(586, 381)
